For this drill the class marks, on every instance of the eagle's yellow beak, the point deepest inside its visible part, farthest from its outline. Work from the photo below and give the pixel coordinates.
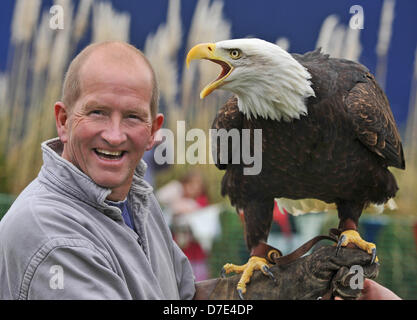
(208, 51)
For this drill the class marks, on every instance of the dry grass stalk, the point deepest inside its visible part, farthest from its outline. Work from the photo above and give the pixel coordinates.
(168, 35)
(338, 40)
(384, 39)
(411, 129)
(326, 31)
(352, 48)
(109, 24)
(3, 96)
(408, 178)
(81, 19)
(25, 17)
(283, 43)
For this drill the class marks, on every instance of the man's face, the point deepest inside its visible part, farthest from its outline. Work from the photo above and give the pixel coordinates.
(110, 125)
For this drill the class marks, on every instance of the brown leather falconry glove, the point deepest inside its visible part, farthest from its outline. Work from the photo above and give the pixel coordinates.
(321, 274)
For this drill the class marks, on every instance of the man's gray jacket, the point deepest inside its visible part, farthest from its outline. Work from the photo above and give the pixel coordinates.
(60, 240)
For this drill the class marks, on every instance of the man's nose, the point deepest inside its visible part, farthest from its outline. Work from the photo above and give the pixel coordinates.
(114, 134)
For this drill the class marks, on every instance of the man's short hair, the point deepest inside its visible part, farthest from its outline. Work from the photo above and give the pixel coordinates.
(71, 88)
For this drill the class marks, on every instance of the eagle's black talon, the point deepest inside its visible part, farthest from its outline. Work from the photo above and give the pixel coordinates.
(339, 243)
(239, 292)
(270, 274)
(373, 256)
(223, 273)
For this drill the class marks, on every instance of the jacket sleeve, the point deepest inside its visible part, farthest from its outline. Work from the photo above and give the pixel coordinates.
(71, 269)
(184, 274)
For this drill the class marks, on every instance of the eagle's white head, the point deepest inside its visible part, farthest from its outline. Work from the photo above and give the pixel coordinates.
(266, 79)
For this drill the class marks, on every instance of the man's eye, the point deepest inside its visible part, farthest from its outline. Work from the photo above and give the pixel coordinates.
(133, 116)
(98, 112)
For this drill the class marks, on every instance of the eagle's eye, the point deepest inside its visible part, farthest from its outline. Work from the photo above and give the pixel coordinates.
(235, 53)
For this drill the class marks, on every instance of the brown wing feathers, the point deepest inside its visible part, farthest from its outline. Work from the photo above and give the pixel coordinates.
(374, 123)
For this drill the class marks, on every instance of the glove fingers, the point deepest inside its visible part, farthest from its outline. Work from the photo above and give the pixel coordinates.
(348, 282)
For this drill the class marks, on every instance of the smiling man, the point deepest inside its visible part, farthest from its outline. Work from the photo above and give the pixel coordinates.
(89, 227)
(108, 128)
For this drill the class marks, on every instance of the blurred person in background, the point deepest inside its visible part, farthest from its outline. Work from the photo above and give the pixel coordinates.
(180, 198)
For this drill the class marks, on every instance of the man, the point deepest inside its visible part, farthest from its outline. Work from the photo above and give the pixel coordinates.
(89, 227)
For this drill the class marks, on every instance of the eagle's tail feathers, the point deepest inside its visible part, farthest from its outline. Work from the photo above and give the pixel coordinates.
(303, 206)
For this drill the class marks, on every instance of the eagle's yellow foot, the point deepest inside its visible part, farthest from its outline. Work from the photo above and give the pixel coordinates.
(352, 236)
(254, 263)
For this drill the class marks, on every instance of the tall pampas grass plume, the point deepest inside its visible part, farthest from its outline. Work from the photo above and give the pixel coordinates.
(81, 19)
(327, 28)
(162, 49)
(384, 39)
(3, 93)
(42, 44)
(283, 43)
(25, 17)
(109, 24)
(61, 44)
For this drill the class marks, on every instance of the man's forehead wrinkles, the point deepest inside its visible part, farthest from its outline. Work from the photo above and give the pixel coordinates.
(132, 88)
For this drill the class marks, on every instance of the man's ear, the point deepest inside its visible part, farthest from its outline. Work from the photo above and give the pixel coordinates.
(61, 120)
(156, 125)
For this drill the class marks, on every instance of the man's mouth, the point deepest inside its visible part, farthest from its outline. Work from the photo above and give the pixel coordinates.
(109, 155)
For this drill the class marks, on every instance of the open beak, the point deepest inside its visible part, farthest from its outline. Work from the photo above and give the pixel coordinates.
(208, 51)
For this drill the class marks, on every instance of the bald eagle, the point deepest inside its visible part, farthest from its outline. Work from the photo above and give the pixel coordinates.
(327, 133)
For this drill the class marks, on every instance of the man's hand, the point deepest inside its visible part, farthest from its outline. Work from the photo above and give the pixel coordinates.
(374, 291)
